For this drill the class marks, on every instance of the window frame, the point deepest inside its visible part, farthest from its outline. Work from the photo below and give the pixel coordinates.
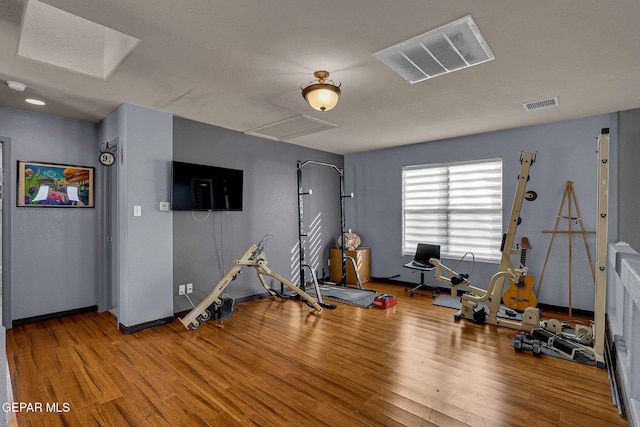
(453, 215)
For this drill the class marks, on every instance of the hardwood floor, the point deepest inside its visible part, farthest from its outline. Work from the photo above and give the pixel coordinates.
(274, 363)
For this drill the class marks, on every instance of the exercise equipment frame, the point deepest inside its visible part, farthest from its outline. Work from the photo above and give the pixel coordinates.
(492, 297)
(253, 257)
(302, 234)
(601, 248)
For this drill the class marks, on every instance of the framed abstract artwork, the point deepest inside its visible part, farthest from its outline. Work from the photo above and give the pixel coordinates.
(55, 185)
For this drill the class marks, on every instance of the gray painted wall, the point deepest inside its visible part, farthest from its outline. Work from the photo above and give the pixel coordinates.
(144, 261)
(204, 250)
(629, 178)
(566, 152)
(53, 250)
(205, 245)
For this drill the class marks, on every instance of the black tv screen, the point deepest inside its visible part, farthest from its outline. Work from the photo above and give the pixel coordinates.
(205, 188)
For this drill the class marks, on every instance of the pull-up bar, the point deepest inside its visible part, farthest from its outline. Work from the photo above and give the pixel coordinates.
(314, 162)
(301, 233)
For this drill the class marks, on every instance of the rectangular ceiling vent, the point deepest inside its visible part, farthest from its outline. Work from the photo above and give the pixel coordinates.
(544, 103)
(291, 128)
(452, 47)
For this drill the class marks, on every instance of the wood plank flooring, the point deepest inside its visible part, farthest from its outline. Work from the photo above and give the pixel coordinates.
(273, 363)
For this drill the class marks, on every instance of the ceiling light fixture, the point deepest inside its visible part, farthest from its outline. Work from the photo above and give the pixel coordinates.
(35, 101)
(321, 94)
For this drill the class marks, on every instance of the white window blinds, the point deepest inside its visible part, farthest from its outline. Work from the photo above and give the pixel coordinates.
(455, 205)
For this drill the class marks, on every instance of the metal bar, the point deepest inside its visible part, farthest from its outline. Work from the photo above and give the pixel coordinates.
(343, 279)
(301, 233)
(314, 162)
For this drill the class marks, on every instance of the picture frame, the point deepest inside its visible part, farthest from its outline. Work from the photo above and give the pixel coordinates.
(55, 185)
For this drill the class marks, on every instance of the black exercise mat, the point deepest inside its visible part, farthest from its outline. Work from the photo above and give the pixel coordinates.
(347, 295)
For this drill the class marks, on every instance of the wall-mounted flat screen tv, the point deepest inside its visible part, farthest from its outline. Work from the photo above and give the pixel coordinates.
(197, 187)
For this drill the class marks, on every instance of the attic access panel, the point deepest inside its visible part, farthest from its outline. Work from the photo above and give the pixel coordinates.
(452, 47)
(290, 128)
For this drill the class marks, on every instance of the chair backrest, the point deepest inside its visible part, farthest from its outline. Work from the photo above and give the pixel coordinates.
(425, 251)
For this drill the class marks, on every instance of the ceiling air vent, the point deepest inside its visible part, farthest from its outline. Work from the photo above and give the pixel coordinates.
(451, 47)
(537, 105)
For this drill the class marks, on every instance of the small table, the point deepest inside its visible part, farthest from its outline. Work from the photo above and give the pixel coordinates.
(362, 256)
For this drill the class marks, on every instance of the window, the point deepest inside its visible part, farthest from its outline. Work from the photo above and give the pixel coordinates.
(455, 205)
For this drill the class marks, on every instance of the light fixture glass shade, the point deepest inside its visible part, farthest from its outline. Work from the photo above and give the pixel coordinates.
(35, 101)
(321, 95)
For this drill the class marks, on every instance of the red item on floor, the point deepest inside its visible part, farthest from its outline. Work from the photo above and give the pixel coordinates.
(384, 301)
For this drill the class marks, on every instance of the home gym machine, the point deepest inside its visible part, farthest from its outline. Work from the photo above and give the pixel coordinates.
(302, 234)
(253, 257)
(492, 297)
(579, 343)
(584, 343)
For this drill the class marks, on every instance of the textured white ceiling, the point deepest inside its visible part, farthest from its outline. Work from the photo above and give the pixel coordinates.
(239, 65)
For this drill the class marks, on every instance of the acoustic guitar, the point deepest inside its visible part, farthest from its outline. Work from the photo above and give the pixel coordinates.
(520, 295)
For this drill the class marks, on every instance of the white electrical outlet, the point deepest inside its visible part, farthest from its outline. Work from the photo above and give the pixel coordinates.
(189, 288)
(181, 289)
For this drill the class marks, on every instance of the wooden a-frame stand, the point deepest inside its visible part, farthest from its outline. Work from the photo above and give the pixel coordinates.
(253, 257)
(570, 197)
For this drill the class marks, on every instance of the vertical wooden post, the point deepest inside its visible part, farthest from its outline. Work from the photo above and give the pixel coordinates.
(526, 160)
(601, 245)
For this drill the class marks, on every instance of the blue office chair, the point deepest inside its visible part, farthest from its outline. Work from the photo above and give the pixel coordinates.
(420, 262)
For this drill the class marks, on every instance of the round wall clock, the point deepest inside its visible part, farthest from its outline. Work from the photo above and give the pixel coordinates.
(106, 158)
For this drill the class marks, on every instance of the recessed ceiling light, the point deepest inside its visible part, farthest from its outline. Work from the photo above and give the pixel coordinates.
(35, 101)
